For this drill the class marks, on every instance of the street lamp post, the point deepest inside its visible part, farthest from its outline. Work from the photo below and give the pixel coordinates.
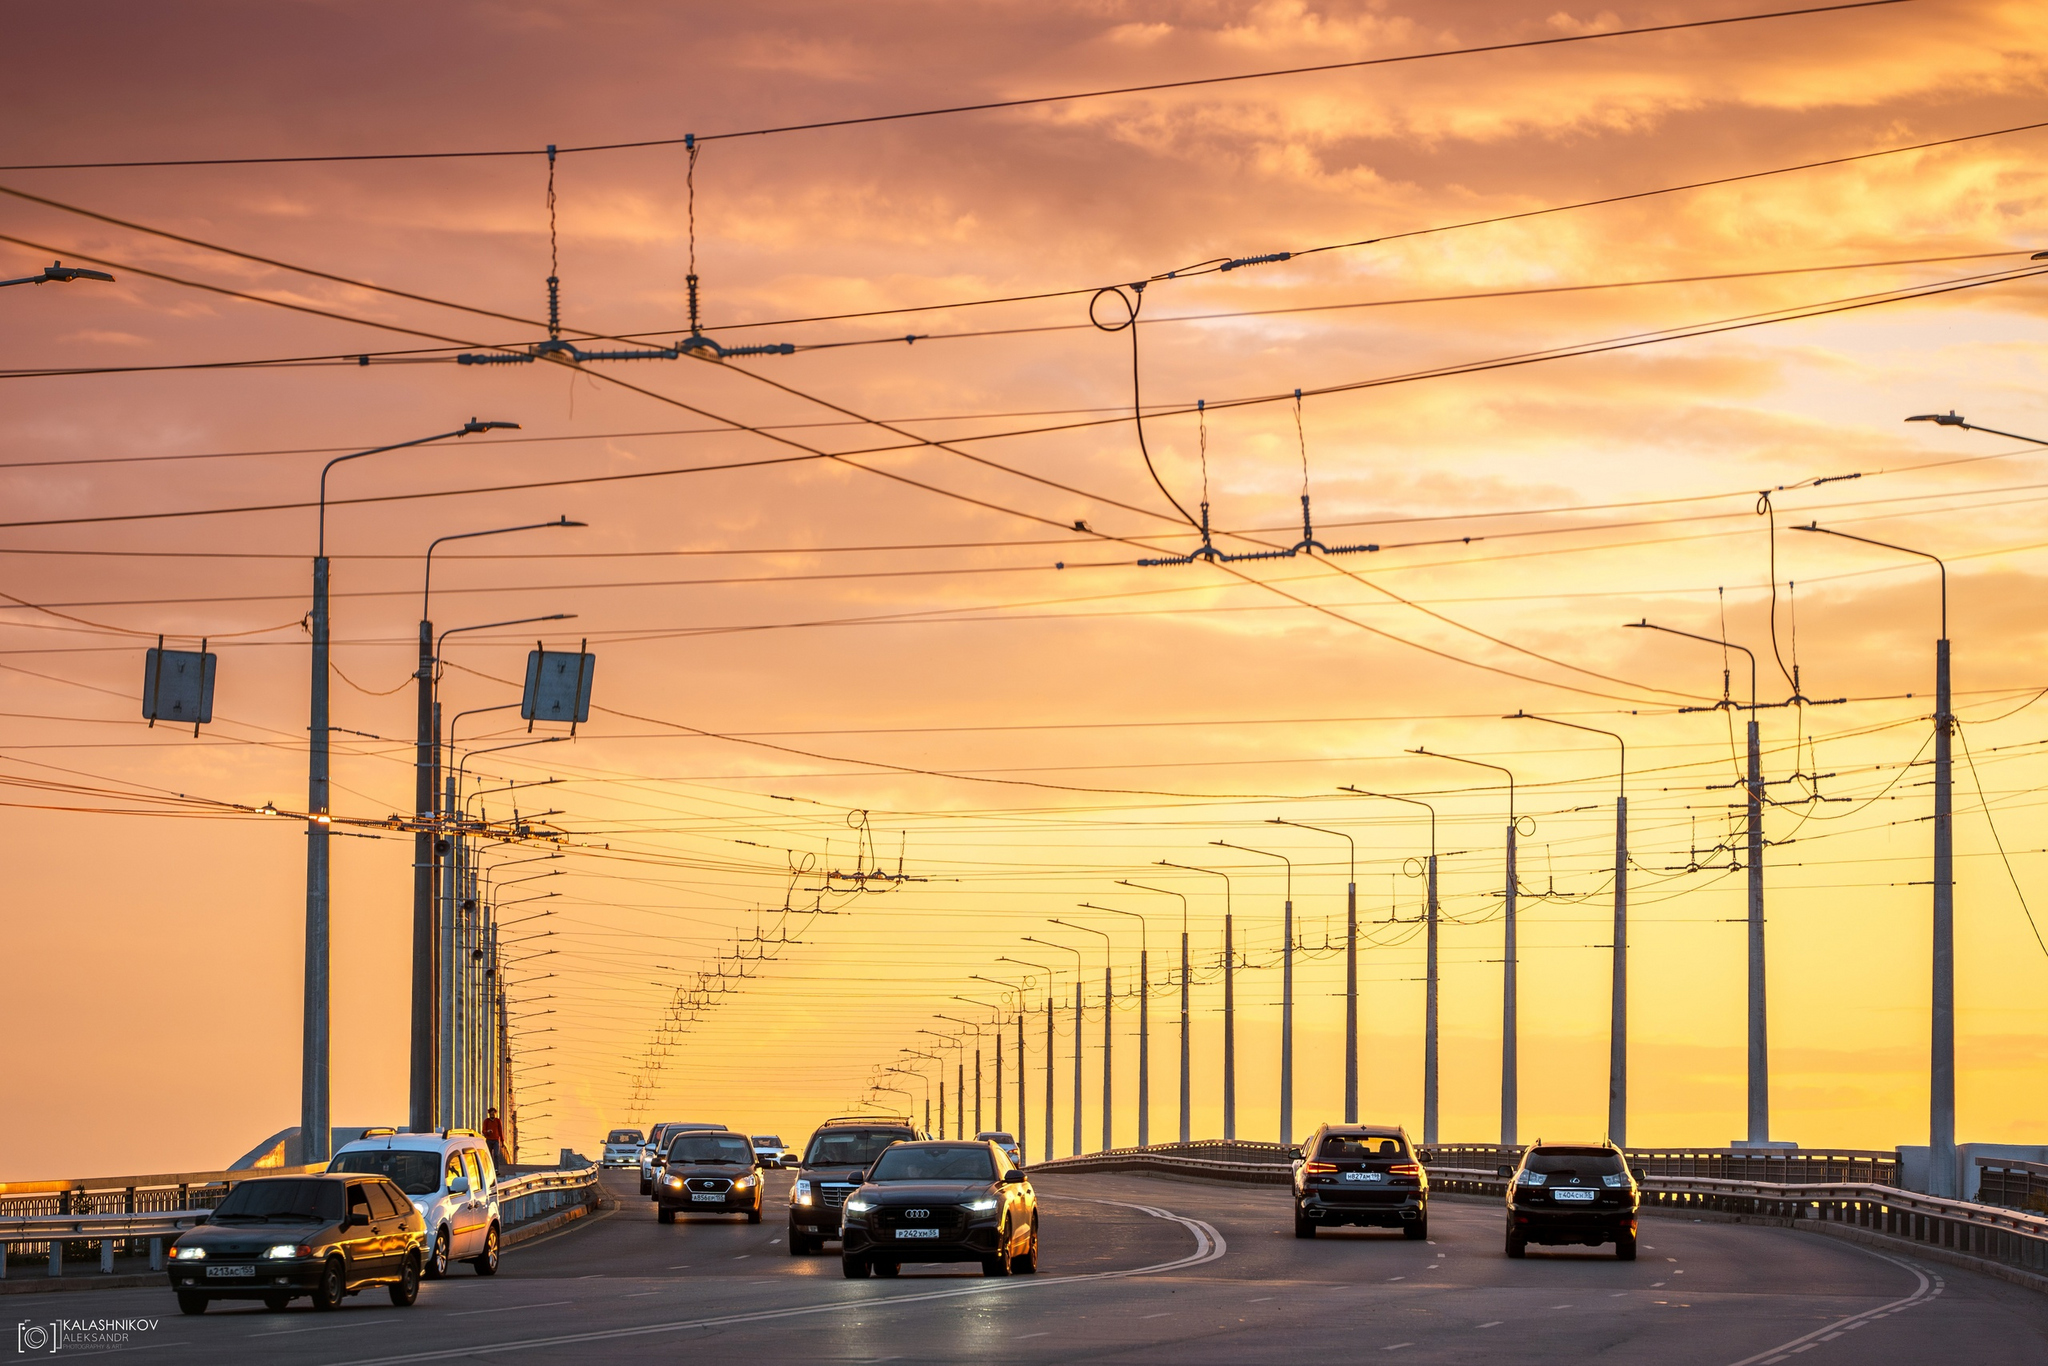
(1429, 972)
(426, 734)
(1759, 1049)
(996, 1027)
(314, 1127)
(977, 1070)
(1941, 1071)
(1051, 984)
(1286, 992)
(1023, 1115)
(1108, 1030)
(1350, 969)
(959, 1092)
(1617, 1025)
(1510, 1043)
(1068, 948)
(1186, 1057)
(1229, 1004)
(1144, 1024)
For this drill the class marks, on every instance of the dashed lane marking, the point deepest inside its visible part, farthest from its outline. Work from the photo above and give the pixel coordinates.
(1921, 1294)
(506, 1309)
(1164, 1314)
(1396, 1346)
(1046, 1334)
(1495, 1324)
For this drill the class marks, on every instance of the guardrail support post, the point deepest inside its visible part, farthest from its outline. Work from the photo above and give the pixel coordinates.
(156, 1254)
(3, 1261)
(57, 1256)
(107, 1256)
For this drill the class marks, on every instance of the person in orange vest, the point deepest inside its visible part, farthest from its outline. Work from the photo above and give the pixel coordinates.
(494, 1135)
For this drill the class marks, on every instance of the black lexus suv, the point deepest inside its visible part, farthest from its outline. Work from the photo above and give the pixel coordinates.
(941, 1201)
(835, 1163)
(1572, 1193)
(1363, 1175)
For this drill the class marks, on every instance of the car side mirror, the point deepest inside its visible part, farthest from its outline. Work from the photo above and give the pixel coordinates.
(204, 1218)
(348, 1221)
(1503, 1171)
(1015, 1177)
(458, 1185)
(793, 1164)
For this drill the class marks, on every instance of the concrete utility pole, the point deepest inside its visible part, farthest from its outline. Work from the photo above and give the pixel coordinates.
(1051, 984)
(1144, 1022)
(1108, 1034)
(1617, 1026)
(1350, 968)
(1942, 1174)
(314, 1121)
(1753, 784)
(1229, 1009)
(1078, 969)
(1186, 1058)
(1430, 1055)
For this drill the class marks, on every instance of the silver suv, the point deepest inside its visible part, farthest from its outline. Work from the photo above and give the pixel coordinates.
(450, 1180)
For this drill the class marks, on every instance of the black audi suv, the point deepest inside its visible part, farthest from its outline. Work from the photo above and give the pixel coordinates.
(939, 1201)
(1564, 1193)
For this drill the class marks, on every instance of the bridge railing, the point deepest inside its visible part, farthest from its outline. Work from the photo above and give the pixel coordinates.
(2014, 1184)
(1786, 1167)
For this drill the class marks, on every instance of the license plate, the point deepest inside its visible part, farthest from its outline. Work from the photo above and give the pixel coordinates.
(213, 1271)
(1365, 1176)
(917, 1233)
(715, 1199)
(1573, 1195)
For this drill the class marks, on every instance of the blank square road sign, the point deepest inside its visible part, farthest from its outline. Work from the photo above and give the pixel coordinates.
(177, 685)
(557, 686)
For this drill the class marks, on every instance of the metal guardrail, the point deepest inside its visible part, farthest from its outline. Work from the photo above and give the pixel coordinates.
(2012, 1183)
(536, 1195)
(54, 1231)
(152, 1194)
(1786, 1166)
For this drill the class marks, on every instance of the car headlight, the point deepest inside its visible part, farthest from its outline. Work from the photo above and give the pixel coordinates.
(672, 1180)
(856, 1205)
(983, 1205)
(744, 1183)
(189, 1254)
(800, 1193)
(284, 1250)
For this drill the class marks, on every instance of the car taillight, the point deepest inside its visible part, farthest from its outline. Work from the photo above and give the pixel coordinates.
(1320, 1167)
(1405, 1169)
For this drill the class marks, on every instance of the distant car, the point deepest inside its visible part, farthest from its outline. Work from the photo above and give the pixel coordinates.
(276, 1238)
(708, 1172)
(835, 1163)
(1363, 1175)
(770, 1150)
(622, 1148)
(656, 1145)
(940, 1201)
(1006, 1141)
(449, 1178)
(1572, 1193)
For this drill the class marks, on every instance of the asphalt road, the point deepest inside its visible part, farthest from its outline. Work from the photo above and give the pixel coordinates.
(1137, 1270)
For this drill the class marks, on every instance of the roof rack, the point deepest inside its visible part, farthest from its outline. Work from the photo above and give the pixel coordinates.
(460, 1133)
(381, 1131)
(870, 1119)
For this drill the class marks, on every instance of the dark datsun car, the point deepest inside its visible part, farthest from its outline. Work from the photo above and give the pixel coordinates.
(276, 1238)
(1363, 1175)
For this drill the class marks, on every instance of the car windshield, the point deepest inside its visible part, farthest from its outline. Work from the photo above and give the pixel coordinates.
(963, 1163)
(767, 1141)
(995, 1137)
(850, 1147)
(1352, 1147)
(282, 1200)
(414, 1172)
(623, 1136)
(1575, 1162)
(711, 1148)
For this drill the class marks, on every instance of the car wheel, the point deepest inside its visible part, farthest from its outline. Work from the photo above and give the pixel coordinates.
(1004, 1261)
(1027, 1265)
(798, 1246)
(646, 1186)
(754, 1215)
(1418, 1230)
(437, 1260)
(191, 1304)
(1517, 1246)
(1625, 1245)
(1304, 1227)
(853, 1268)
(405, 1291)
(664, 1215)
(888, 1268)
(274, 1303)
(332, 1286)
(486, 1262)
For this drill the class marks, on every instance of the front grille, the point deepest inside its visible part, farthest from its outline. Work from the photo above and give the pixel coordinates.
(938, 1217)
(834, 1196)
(708, 1185)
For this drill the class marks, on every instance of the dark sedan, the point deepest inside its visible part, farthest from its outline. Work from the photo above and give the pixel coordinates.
(941, 1202)
(707, 1172)
(1573, 1193)
(1361, 1175)
(276, 1238)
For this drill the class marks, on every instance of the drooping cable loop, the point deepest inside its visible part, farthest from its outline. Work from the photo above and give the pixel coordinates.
(1132, 302)
(554, 260)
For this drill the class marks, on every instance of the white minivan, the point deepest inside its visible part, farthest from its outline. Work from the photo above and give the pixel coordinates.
(450, 1180)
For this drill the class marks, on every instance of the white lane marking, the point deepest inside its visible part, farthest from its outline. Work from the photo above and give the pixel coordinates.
(508, 1308)
(1495, 1324)
(1802, 1343)
(1560, 1306)
(293, 1332)
(1396, 1346)
(1021, 1336)
(1210, 1246)
(1615, 1295)
(684, 1267)
(1392, 1279)
(773, 1241)
(1165, 1315)
(593, 1276)
(1657, 1285)
(1262, 1299)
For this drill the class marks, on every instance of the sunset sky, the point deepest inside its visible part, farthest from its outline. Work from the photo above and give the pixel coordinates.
(795, 648)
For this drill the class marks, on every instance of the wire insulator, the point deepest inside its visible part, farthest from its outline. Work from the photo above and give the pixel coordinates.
(694, 328)
(1269, 257)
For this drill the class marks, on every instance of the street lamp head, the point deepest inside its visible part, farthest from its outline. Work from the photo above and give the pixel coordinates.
(473, 426)
(1637, 625)
(1947, 419)
(564, 521)
(60, 273)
